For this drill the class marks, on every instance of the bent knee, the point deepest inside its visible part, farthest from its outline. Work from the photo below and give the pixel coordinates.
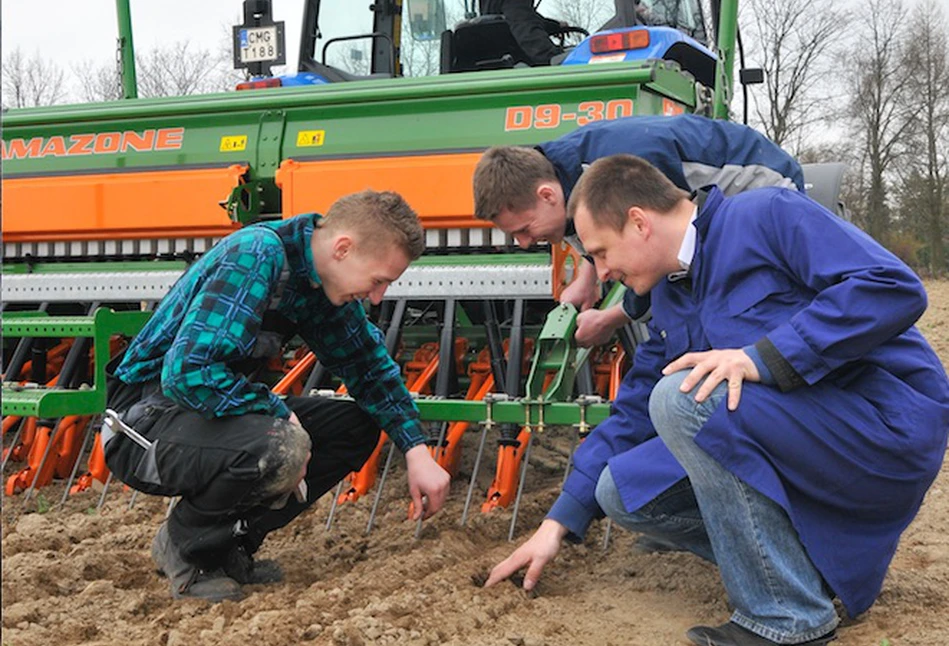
(667, 402)
(607, 495)
(286, 453)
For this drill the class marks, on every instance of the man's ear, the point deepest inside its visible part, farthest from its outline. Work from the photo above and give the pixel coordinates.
(342, 246)
(545, 192)
(639, 220)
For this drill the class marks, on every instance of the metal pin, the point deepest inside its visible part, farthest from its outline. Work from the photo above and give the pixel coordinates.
(382, 481)
(606, 534)
(335, 504)
(75, 468)
(39, 470)
(526, 459)
(487, 425)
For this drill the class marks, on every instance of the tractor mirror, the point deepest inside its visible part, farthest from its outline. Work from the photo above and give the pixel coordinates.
(426, 19)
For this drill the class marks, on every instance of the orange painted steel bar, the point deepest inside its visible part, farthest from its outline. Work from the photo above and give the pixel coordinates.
(295, 375)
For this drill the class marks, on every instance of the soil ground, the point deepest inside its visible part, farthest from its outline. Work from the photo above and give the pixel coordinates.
(74, 575)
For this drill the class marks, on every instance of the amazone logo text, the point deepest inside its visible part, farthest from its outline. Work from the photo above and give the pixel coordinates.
(103, 143)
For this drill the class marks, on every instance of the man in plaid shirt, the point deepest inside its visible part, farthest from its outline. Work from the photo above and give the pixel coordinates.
(222, 441)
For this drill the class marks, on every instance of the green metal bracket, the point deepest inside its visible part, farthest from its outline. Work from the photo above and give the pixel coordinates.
(555, 351)
(58, 402)
(270, 133)
(243, 204)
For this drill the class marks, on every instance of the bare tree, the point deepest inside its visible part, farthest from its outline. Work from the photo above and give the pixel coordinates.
(180, 69)
(98, 82)
(31, 81)
(927, 70)
(795, 40)
(589, 14)
(879, 112)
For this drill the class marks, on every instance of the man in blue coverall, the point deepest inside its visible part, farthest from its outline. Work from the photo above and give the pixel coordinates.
(244, 461)
(785, 418)
(524, 191)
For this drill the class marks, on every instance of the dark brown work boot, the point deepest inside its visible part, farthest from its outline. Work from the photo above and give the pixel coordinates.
(243, 568)
(187, 580)
(731, 634)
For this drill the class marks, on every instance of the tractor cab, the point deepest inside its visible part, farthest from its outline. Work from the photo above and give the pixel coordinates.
(636, 30)
(428, 37)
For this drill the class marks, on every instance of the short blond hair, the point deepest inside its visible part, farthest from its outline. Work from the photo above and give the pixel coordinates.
(506, 177)
(381, 218)
(614, 184)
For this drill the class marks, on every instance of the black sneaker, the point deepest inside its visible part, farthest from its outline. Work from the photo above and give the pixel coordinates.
(731, 634)
(188, 581)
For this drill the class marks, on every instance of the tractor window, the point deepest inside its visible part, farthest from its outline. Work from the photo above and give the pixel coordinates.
(421, 55)
(338, 20)
(684, 15)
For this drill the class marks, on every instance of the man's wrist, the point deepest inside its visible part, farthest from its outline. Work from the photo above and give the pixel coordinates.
(417, 453)
(551, 526)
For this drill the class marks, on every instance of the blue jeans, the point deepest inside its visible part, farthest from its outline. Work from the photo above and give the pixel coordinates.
(774, 587)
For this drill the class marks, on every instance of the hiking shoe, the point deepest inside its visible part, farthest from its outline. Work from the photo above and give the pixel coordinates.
(242, 567)
(188, 581)
(731, 634)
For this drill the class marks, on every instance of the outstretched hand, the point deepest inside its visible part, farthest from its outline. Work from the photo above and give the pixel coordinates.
(428, 482)
(715, 366)
(539, 550)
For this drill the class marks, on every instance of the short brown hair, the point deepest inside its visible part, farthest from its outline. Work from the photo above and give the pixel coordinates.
(506, 177)
(380, 218)
(614, 184)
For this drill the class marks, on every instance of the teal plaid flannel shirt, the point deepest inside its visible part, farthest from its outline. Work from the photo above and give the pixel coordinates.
(210, 319)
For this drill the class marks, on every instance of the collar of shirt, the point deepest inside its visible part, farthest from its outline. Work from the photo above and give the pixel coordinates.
(308, 230)
(687, 249)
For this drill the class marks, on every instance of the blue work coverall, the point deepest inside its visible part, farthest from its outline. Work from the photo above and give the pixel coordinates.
(690, 150)
(854, 431)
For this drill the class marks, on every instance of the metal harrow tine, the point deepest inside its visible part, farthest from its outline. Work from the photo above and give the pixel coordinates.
(339, 490)
(382, 482)
(520, 487)
(474, 474)
(36, 476)
(606, 534)
(566, 471)
(526, 458)
(16, 438)
(488, 423)
(90, 432)
(105, 490)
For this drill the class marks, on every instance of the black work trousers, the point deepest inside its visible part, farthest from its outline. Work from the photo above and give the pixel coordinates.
(224, 468)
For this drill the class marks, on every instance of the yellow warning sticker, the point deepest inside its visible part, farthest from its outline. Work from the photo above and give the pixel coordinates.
(310, 138)
(233, 143)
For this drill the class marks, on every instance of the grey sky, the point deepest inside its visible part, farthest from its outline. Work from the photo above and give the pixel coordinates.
(69, 32)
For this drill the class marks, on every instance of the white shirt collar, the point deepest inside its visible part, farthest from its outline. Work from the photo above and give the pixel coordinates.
(687, 250)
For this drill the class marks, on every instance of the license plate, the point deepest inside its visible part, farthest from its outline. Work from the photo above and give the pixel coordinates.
(259, 44)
